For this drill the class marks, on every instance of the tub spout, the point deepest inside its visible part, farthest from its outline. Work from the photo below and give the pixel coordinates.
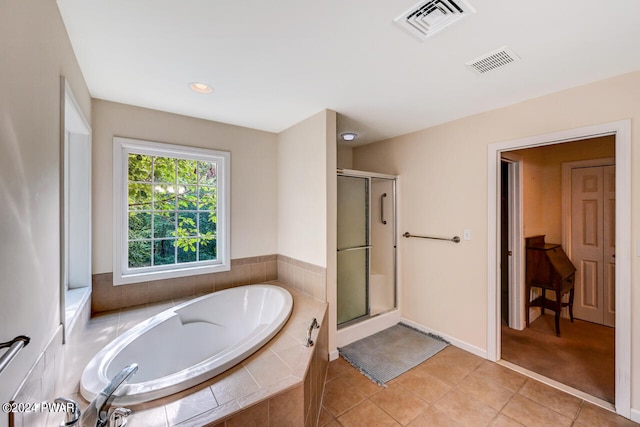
(99, 413)
(313, 325)
(73, 412)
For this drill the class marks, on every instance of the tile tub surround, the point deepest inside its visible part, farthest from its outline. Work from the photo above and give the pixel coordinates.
(284, 379)
(307, 278)
(44, 381)
(40, 385)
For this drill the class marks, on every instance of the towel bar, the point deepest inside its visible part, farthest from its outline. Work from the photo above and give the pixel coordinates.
(15, 345)
(454, 239)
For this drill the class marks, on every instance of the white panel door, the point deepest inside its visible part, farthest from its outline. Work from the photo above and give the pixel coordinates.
(593, 243)
(609, 175)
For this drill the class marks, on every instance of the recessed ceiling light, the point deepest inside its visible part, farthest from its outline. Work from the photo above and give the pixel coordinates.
(201, 87)
(348, 136)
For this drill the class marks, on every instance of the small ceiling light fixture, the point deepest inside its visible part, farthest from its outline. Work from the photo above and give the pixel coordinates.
(200, 87)
(349, 136)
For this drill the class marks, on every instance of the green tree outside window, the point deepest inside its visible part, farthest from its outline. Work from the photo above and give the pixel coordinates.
(172, 206)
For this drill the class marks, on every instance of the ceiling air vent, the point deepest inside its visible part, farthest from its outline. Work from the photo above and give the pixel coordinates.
(492, 60)
(428, 17)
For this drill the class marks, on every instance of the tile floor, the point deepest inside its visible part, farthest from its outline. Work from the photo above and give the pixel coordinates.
(453, 388)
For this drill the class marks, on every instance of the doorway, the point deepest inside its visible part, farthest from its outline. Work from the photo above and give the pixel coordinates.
(621, 131)
(583, 355)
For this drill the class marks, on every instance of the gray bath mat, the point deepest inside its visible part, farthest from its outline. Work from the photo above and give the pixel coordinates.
(391, 352)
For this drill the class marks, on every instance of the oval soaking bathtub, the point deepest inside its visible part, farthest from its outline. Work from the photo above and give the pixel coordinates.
(189, 343)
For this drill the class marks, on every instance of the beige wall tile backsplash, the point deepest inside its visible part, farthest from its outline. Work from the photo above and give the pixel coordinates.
(303, 276)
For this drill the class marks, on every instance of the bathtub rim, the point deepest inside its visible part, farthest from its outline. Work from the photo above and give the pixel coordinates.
(137, 393)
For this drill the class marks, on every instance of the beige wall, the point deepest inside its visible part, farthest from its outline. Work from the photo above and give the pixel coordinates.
(542, 181)
(443, 173)
(253, 173)
(35, 53)
(345, 157)
(302, 188)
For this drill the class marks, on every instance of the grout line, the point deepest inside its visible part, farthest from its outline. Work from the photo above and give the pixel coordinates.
(575, 419)
(557, 385)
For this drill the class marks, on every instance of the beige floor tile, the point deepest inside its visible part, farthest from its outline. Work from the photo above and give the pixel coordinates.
(593, 416)
(485, 390)
(442, 369)
(459, 357)
(530, 413)
(340, 396)
(331, 373)
(325, 417)
(366, 414)
(425, 386)
(361, 382)
(507, 378)
(456, 388)
(504, 421)
(433, 418)
(465, 409)
(552, 398)
(400, 403)
(340, 366)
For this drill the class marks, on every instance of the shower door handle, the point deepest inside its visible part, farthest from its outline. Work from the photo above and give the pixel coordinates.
(355, 248)
(384, 221)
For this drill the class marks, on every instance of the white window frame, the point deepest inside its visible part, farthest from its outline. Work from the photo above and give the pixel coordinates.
(121, 148)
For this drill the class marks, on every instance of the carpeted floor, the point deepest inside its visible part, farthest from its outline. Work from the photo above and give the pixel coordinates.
(582, 357)
(391, 352)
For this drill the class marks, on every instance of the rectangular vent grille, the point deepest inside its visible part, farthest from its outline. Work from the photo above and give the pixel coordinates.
(428, 17)
(492, 60)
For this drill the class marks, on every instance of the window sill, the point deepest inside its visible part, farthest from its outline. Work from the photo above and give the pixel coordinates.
(169, 274)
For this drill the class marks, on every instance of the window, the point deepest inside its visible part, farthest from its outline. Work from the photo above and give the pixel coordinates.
(171, 211)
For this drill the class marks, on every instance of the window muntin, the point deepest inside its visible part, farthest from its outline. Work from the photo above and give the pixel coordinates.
(173, 210)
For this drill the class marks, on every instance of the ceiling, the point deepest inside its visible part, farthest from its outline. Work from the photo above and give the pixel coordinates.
(274, 63)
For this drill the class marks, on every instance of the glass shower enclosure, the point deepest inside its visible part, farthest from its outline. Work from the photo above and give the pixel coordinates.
(366, 245)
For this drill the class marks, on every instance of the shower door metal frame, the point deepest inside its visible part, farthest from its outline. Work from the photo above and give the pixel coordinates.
(393, 179)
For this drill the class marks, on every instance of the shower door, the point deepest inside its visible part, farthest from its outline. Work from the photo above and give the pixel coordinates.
(353, 248)
(366, 246)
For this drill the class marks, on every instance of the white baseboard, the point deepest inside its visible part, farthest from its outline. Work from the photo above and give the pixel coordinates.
(635, 415)
(454, 341)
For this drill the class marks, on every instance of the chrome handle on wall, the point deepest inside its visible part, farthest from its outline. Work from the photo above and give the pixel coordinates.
(355, 248)
(15, 345)
(313, 325)
(384, 221)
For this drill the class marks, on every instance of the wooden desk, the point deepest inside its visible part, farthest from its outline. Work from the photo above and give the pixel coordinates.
(548, 268)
